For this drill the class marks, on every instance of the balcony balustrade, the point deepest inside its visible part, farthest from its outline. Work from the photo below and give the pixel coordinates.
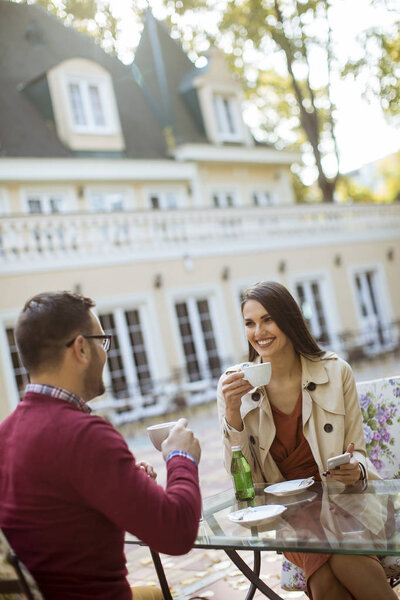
(106, 238)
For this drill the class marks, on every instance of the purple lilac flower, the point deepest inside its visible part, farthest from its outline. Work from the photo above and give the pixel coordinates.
(375, 452)
(386, 436)
(365, 401)
(378, 464)
(285, 566)
(367, 434)
(377, 436)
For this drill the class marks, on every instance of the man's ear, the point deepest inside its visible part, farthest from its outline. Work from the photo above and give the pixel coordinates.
(80, 348)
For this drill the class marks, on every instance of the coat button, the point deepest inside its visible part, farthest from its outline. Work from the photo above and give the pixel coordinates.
(311, 386)
(328, 427)
(256, 396)
(252, 440)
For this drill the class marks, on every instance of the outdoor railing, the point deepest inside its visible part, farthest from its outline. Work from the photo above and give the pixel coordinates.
(110, 237)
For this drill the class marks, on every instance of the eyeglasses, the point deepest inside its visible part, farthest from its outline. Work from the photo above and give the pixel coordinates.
(106, 343)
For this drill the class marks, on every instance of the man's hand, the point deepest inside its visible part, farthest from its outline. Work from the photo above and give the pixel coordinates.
(147, 468)
(181, 438)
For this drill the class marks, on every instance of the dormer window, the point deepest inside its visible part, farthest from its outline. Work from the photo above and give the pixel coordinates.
(89, 106)
(84, 106)
(228, 118)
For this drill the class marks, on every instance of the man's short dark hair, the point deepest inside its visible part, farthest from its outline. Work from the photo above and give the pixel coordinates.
(47, 322)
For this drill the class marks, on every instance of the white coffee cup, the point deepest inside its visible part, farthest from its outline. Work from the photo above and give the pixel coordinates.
(257, 375)
(159, 433)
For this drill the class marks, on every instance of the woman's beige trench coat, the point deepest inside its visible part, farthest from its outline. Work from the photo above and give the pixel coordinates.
(331, 419)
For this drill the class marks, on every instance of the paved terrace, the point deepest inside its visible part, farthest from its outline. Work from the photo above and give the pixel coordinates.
(210, 574)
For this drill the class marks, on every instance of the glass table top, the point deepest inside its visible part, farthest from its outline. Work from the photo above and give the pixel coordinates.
(325, 517)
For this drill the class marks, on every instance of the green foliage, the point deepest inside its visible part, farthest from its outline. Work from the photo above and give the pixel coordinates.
(92, 17)
(301, 191)
(379, 67)
(271, 44)
(385, 174)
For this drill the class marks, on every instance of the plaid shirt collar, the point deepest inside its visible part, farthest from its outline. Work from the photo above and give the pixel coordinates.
(55, 392)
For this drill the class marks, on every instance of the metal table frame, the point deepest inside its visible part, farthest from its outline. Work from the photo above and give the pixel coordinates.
(252, 574)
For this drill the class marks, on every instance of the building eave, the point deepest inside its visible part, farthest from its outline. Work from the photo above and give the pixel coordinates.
(66, 169)
(227, 154)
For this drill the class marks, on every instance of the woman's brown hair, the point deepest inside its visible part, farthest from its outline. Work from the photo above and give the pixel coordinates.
(286, 313)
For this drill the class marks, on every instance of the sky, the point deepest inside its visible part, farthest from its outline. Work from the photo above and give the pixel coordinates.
(363, 133)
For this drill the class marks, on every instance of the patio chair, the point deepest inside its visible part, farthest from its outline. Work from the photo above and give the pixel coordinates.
(380, 406)
(16, 582)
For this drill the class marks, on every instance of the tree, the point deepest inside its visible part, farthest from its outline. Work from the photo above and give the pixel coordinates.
(293, 95)
(93, 17)
(295, 102)
(379, 65)
(287, 55)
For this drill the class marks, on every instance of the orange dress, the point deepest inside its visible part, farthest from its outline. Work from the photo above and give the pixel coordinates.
(292, 454)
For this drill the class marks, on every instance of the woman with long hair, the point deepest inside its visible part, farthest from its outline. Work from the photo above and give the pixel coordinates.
(288, 429)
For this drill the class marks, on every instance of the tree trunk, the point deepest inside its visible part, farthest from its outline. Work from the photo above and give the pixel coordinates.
(327, 187)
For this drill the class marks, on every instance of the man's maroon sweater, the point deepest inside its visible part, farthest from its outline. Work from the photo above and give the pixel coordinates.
(70, 488)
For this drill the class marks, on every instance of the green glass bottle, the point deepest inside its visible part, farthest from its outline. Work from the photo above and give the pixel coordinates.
(241, 474)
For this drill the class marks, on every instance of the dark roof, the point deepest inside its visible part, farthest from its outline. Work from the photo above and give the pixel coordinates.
(167, 74)
(31, 42)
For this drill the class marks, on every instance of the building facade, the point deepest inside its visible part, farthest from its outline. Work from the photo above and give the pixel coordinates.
(142, 188)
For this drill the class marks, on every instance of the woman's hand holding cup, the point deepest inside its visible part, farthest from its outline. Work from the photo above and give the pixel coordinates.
(233, 388)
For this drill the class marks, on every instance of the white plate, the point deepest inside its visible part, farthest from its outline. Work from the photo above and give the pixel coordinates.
(288, 488)
(255, 515)
(306, 496)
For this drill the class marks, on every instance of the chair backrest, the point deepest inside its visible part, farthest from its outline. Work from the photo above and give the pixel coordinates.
(16, 582)
(380, 406)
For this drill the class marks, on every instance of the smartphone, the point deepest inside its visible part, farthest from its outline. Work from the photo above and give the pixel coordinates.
(336, 461)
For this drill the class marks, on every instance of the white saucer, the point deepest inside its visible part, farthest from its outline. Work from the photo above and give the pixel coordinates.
(288, 488)
(256, 515)
(306, 496)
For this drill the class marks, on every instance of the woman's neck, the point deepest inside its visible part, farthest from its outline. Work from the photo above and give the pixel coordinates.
(286, 367)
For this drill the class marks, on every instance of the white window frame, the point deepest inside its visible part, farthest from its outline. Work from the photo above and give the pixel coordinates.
(385, 312)
(148, 314)
(104, 85)
(307, 281)
(106, 197)
(164, 197)
(223, 104)
(128, 362)
(222, 196)
(4, 203)
(8, 320)
(45, 197)
(221, 330)
(264, 198)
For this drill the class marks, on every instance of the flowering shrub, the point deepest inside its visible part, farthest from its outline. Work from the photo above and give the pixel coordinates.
(381, 416)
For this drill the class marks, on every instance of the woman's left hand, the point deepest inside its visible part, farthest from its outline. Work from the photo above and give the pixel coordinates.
(147, 468)
(349, 473)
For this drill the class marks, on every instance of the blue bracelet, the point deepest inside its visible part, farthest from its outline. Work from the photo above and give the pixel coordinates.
(181, 453)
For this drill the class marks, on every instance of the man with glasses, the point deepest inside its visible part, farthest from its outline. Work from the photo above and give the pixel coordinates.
(69, 486)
